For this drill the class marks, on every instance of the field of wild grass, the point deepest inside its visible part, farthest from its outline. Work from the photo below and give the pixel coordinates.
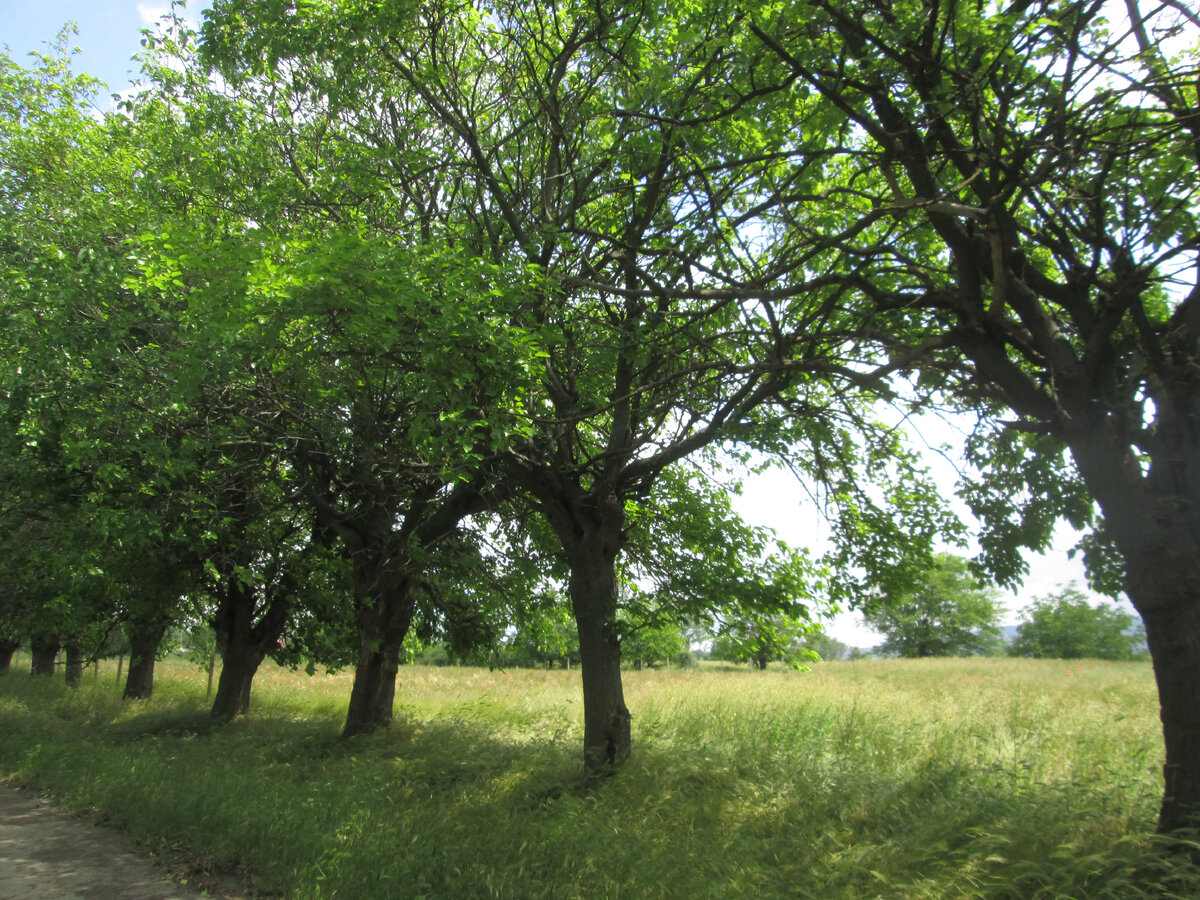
(988, 778)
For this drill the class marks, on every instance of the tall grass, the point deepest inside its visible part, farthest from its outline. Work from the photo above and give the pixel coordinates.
(921, 779)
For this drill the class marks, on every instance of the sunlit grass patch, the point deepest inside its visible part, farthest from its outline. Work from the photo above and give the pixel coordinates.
(877, 778)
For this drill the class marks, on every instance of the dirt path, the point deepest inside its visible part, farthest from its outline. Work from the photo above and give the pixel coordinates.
(46, 854)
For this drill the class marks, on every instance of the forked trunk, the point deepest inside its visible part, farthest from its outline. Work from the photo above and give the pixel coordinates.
(238, 669)
(383, 623)
(243, 645)
(43, 650)
(144, 638)
(74, 668)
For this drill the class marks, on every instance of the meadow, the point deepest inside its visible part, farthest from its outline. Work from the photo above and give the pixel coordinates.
(985, 778)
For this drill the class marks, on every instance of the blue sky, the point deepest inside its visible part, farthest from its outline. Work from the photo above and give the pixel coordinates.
(110, 32)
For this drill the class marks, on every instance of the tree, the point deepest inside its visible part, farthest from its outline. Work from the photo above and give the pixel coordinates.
(826, 646)
(623, 154)
(64, 330)
(1019, 199)
(645, 645)
(363, 362)
(1064, 625)
(947, 612)
(763, 639)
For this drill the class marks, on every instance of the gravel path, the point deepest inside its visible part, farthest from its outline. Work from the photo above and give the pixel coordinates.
(46, 854)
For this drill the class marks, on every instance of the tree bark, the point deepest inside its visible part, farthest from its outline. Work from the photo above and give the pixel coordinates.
(74, 667)
(1154, 519)
(1174, 640)
(592, 535)
(383, 617)
(607, 738)
(44, 650)
(7, 649)
(144, 638)
(238, 669)
(244, 643)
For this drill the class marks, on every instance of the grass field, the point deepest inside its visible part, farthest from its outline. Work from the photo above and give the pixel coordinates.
(878, 778)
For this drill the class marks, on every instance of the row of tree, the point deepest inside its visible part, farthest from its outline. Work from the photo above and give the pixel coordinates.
(949, 612)
(437, 307)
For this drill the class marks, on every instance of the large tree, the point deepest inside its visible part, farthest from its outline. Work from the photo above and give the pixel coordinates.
(1065, 625)
(357, 375)
(625, 153)
(946, 612)
(1018, 196)
(92, 437)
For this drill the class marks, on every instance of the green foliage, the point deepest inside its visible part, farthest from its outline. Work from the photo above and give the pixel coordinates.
(948, 612)
(691, 558)
(1065, 625)
(763, 639)
(542, 254)
(545, 633)
(826, 646)
(1026, 484)
(647, 646)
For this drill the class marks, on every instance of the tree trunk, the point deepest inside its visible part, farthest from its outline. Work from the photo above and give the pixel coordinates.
(144, 638)
(74, 668)
(607, 733)
(1174, 640)
(1157, 531)
(44, 651)
(212, 665)
(373, 696)
(383, 617)
(7, 649)
(238, 669)
(243, 644)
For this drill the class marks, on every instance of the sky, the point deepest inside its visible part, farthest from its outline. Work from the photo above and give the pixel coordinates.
(109, 34)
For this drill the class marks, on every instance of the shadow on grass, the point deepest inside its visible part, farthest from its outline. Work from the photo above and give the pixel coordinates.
(452, 806)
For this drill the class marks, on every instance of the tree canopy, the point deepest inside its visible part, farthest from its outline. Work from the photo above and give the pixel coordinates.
(404, 277)
(1064, 625)
(947, 612)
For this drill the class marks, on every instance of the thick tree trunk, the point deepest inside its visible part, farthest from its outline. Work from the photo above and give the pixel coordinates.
(1174, 640)
(7, 649)
(43, 651)
(1154, 520)
(238, 668)
(243, 645)
(607, 738)
(144, 638)
(74, 668)
(383, 619)
(373, 696)
(607, 732)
